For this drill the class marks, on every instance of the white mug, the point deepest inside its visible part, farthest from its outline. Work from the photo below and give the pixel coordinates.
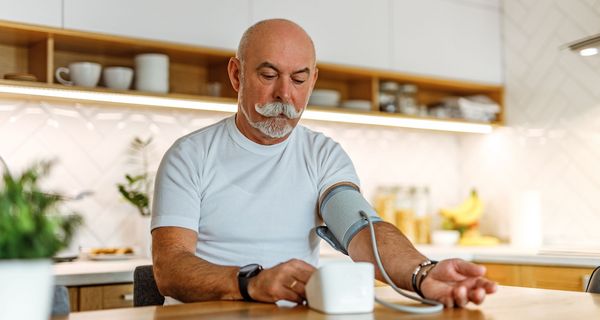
(118, 78)
(152, 72)
(85, 74)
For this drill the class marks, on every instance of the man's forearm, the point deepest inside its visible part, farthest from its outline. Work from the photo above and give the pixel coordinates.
(398, 255)
(187, 278)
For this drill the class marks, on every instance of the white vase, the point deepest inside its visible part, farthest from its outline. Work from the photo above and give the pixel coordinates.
(26, 289)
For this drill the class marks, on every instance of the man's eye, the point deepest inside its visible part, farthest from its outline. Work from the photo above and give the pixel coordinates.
(268, 76)
(298, 81)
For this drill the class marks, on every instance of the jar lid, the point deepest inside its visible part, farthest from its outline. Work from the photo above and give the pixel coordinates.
(408, 88)
(390, 86)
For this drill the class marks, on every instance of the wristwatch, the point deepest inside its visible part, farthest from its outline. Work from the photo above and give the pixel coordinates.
(246, 273)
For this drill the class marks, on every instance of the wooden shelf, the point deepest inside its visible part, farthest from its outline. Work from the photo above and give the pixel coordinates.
(40, 50)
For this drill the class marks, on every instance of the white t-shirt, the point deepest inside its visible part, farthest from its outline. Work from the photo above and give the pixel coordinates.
(249, 203)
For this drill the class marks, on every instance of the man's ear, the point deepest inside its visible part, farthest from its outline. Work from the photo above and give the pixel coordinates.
(234, 68)
(315, 76)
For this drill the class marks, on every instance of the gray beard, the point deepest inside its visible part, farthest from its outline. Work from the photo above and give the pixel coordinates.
(274, 127)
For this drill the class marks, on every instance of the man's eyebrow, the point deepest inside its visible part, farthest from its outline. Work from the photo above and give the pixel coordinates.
(269, 65)
(305, 70)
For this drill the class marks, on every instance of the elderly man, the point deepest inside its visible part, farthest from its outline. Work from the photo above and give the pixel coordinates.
(236, 203)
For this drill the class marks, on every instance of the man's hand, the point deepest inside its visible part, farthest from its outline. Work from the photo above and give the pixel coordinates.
(285, 281)
(455, 282)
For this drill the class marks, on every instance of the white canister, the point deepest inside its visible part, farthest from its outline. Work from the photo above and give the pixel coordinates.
(152, 72)
(526, 220)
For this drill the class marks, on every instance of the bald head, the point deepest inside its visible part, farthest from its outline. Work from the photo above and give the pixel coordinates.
(272, 30)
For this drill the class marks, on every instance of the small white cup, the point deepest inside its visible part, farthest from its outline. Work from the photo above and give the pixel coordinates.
(85, 74)
(152, 72)
(445, 237)
(118, 78)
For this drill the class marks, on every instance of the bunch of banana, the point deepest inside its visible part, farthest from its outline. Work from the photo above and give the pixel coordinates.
(467, 213)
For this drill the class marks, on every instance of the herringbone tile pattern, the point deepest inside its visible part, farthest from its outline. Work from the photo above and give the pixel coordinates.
(552, 142)
(90, 143)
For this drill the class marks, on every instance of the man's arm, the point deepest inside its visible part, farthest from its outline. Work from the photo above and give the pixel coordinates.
(453, 282)
(185, 277)
(394, 249)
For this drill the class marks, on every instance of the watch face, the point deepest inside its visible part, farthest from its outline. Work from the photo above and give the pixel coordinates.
(250, 270)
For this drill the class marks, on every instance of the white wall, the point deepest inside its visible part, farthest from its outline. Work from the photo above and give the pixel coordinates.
(552, 142)
(90, 143)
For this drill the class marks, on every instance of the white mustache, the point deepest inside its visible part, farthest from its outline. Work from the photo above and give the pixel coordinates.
(274, 109)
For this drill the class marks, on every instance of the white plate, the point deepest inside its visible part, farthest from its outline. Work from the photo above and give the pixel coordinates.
(364, 105)
(110, 257)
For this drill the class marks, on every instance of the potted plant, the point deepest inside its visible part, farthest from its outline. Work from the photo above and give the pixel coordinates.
(32, 230)
(137, 189)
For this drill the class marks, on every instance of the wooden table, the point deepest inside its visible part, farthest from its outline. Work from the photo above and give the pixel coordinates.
(507, 303)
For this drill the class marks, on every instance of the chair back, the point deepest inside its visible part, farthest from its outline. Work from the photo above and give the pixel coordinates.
(145, 290)
(60, 301)
(594, 282)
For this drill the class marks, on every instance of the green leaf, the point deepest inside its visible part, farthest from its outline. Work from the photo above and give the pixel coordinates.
(30, 225)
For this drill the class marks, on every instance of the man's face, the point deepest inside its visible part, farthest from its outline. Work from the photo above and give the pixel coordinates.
(276, 78)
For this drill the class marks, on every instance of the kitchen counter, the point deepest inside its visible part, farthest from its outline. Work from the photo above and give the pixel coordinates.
(506, 254)
(503, 254)
(88, 272)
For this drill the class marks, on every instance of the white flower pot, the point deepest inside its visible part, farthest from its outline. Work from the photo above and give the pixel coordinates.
(26, 289)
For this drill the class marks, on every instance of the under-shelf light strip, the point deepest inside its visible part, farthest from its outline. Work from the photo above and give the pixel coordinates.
(124, 98)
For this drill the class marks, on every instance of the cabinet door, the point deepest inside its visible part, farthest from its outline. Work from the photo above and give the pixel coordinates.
(206, 23)
(353, 32)
(41, 12)
(105, 297)
(558, 278)
(448, 38)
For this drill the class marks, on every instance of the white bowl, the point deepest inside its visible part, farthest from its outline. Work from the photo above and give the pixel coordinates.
(324, 97)
(445, 237)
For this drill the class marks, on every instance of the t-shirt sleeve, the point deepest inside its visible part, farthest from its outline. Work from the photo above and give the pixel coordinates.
(177, 198)
(335, 167)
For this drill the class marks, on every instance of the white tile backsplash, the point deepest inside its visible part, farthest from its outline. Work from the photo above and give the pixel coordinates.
(552, 139)
(91, 141)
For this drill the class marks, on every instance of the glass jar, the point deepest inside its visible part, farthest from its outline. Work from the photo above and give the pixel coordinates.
(388, 96)
(407, 99)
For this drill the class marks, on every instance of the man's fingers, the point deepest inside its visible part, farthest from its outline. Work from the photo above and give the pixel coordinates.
(298, 286)
(291, 295)
(469, 269)
(477, 295)
(460, 296)
(489, 286)
(303, 270)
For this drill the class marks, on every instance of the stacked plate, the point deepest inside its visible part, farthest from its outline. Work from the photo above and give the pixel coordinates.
(324, 98)
(363, 105)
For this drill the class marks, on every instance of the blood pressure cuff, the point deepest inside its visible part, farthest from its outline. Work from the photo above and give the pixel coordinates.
(340, 211)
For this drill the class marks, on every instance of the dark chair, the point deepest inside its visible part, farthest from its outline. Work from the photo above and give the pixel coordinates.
(594, 282)
(145, 291)
(60, 301)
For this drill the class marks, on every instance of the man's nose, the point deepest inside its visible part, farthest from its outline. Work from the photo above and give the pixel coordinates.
(283, 89)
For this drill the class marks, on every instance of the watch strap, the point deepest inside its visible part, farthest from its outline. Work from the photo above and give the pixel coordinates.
(243, 284)
(244, 277)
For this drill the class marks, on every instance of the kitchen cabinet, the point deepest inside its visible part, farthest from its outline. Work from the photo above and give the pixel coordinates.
(218, 24)
(39, 12)
(99, 297)
(447, 38)
(40, 50)
(534, 276)
(350, 32)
